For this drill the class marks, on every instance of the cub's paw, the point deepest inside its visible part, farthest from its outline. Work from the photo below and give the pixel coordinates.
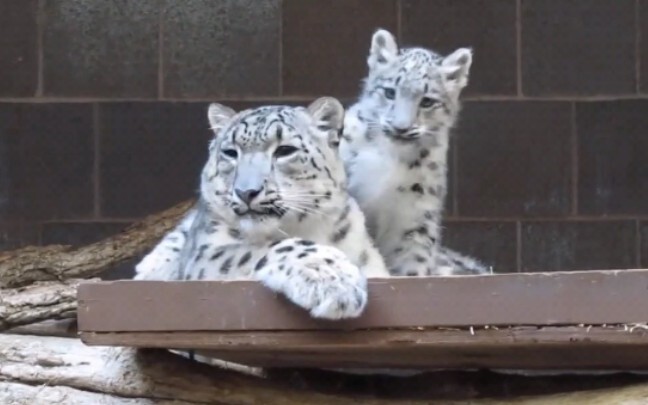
(319, 278)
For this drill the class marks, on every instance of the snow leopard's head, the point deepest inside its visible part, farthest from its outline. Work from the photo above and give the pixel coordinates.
(273, 164)
(413, 93)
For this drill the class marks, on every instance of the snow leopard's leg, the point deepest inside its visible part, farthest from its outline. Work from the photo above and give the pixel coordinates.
(451, 263)
(163, 262)
(316, 277)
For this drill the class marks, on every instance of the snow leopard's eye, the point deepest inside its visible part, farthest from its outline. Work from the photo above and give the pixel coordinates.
(390, 93)
(230, 153)
(428, 102)
(285, 150)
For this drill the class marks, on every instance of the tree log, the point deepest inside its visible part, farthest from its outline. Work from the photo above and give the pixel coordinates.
(54, 327)
(42, 371)
(56, 262)
(38, 302)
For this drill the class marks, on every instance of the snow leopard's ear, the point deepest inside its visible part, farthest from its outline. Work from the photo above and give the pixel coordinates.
(383, 49)
(219, 115)
(456, 68)
(328, 114)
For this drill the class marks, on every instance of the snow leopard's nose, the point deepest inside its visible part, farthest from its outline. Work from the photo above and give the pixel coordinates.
(247, 195)
(399, 130)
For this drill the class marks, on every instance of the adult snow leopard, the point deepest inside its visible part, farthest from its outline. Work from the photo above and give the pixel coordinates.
(395, 145)
(273, 207)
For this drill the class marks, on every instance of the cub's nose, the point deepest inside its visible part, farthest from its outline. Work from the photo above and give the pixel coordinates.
(247, 195)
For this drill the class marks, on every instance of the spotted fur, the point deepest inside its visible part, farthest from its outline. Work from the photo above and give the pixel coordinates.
(273, 207)
(395, 145)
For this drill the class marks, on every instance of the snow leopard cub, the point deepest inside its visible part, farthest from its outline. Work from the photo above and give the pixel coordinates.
(395, 145)
(273, 207)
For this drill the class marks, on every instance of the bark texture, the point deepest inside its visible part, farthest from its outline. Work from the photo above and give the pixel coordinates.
(38, 302)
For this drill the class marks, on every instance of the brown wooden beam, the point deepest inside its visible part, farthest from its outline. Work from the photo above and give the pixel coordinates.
(570, 298)
(517, 347)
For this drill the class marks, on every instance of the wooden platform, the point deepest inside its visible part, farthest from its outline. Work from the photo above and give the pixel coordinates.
(569, 320)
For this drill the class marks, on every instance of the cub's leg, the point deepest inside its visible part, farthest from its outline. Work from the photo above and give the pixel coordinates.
(451, 263)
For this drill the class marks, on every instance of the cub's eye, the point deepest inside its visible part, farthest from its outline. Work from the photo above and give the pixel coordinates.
(230, 153)
(285, 150)
(428, 102)
(390, 93)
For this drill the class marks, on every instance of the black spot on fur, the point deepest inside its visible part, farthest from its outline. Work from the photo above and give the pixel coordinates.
(424, 153)
(428, 215)
(364, 258)
(175, 249)
(216, 255)
(284, 249)
(329, 261)
(226, 266)
(234, 233)
(433, 166)
(420, 259)
(275, 243)
(310, 250)
(304, 242)
(345, 213)
(201, 251)
(414, 164)
(315, 164)
(341, 233)
(201, 274)
(411, 273)
(262, 262)
(417, 188)
(246, 258)
(302, 255)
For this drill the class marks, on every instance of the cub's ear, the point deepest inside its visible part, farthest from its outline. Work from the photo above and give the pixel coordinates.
(328, 114)
(456, 68)
(219, 115)
(383, 49)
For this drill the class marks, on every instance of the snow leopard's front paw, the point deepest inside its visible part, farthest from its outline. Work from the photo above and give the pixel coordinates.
(319, 278)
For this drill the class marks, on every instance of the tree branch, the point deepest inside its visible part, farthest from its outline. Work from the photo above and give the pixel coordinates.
(54, 263)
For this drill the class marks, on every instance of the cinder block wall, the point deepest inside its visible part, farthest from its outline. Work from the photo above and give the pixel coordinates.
(102, 111)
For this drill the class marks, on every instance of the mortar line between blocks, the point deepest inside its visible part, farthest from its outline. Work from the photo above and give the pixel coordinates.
(574, 160)
(160, 83)
(518, 45)
(40, 22)
(280, 89)
(638, 46)
(638, 243)
(399, 20)
(97, 161)
(518, 247)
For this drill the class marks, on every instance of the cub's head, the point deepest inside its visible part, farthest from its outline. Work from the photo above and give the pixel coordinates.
(273, 164)
(413, 92)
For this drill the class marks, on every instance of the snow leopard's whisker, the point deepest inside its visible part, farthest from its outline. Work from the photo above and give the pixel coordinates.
(306, 210)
